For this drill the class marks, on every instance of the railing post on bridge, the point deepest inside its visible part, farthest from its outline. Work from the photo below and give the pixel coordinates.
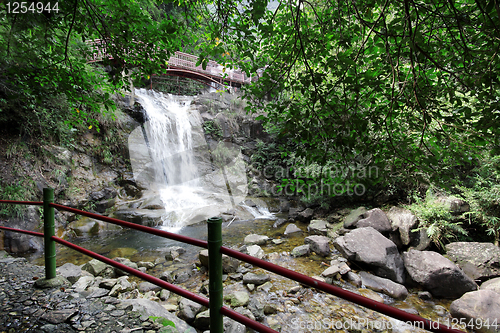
(48, 232)
(215, 274)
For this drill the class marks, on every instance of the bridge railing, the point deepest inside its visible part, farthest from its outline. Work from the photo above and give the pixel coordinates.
(215, 251)
(179, 60)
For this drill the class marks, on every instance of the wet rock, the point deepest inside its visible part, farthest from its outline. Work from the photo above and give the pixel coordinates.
(292, 229)
(300, 251)
(148, 286)
(477, 260)
(402, 221)
(174, 252)
(256, 306)
(319, 244)
(478, 307)
(255, 279)
(437, 274)
(376, 219)
(278, 223)
(388, 287)
(254, 239)
(368, 246)
(354, 216)
(317, 227)
(167, 276)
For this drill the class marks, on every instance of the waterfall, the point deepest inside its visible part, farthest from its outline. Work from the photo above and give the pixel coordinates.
(171, 159)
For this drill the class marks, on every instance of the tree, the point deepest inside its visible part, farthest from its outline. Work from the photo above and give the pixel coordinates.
(45, 78)
(411, 87)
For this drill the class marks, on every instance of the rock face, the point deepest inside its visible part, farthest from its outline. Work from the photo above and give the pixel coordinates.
(477, 260)
(367, 245)
(479, 307)
(437, 274)
(353, 217)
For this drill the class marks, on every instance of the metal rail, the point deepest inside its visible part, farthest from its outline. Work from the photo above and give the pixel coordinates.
(216, 250)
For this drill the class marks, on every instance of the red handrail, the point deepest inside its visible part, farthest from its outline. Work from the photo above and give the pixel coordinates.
(350, 296)
(32, 233)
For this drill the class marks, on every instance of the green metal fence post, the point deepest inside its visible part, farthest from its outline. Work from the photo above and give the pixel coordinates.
(215, 274)
(48, 232)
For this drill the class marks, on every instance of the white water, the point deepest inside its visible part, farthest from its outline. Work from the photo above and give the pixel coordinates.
(170, 139)
(172, 160)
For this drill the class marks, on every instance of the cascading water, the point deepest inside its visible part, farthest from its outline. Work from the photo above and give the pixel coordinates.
(169, 133)
(171, 159)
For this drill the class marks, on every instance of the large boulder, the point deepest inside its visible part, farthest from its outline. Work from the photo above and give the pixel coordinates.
(480, 309)
(403, 221)
(376, 219)
(367, 245)
(493, 284)
(477, 260)
(437, 274)
(319, 244)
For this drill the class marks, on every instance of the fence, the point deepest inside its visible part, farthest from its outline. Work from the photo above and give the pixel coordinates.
(215, 250)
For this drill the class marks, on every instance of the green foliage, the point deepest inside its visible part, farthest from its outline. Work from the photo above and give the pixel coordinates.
(436, 218)
(411, 88)
(165, 322)
(47, 86)
(210, 127)
(21, 191)
(482, 192)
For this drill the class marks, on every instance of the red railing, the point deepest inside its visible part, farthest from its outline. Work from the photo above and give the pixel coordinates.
(301, 278)
(179, 60)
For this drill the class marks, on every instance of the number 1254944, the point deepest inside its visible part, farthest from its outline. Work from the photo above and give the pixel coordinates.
(31, 7)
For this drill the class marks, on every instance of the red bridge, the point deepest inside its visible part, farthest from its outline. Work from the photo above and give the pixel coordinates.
(184, 65)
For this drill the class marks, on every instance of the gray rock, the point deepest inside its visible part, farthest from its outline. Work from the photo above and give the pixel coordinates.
(173, 252)
(477, 260)
(292, 229)
(388, 287)
(202, 320)
(254, 239)
(126, 262)
(150, 308)
(96, 267)
(237, 298)
(335, 268)
(420, 240)
(255, 251)
(300, 251)
(319, 244)
(403, 221)
(353, 217)
(122, 286)
(255, 279)
(59, 316)
(437, 274)
(278, 223)
(148, 286)
(232, 326)
(354, 278)
(83, 283)
(256, 306)
(493, 284)
(203, 257)
(306, 215)
(189, 309)
(376, 219)
(55, 282)
(317, 227)
(367, 245)
(229, 264)
(70, 271)
(482, 306)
